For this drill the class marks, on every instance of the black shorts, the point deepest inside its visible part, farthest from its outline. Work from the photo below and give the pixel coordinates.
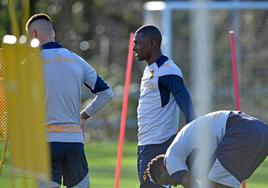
(145, 154)
(244, 146)
(69, 162)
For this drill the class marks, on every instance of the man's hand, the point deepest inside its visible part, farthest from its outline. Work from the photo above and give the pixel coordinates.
(84, 115)
(83, 118)
(82, 124)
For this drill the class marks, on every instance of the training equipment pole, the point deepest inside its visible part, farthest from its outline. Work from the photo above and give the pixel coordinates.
(124, 111)
(235, 72)
(235, 77)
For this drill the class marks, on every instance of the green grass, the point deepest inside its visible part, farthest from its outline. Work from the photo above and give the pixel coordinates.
(102, 161)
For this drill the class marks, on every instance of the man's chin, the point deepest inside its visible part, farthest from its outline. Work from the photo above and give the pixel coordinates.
(140, 59)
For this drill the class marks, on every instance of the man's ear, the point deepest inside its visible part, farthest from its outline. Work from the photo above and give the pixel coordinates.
(152, 43)
(33, 33)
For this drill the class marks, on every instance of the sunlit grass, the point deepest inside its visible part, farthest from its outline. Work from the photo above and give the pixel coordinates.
(102, 161)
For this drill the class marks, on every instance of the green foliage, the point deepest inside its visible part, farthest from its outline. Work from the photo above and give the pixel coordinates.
(4, 20)
(103, 26)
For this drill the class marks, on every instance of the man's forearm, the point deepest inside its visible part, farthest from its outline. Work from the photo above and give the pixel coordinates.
(100, 100)
(188, 181)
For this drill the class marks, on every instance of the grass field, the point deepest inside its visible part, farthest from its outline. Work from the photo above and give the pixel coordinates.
(102, 161)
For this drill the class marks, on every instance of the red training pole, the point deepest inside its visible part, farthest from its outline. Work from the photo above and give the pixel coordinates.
(235, 77)
(124, 111)
(235, 74)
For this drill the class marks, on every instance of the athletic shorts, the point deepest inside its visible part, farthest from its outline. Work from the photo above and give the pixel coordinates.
(145, 154)
(69, 162)
(243, 148)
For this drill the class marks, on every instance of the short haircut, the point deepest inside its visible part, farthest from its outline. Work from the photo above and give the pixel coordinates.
(39, 16)
(152, 32)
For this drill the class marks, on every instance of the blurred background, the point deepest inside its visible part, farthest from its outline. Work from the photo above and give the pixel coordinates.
(99, 30)
(195, 37)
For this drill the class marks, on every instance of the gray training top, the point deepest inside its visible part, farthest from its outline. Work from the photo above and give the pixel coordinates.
(65, 73)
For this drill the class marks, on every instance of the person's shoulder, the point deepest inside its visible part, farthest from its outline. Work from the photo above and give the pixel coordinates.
(218, 114)
(76, 56)
(73, 54)
(170, 68)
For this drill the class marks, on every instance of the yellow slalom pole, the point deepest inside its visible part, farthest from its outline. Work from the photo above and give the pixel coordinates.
(11, 86)
(24, 116)
(24, 76)
(26, 121)
(3, 114)
(14, 21)
(25, 94)
(26, 13)
(38, 105)
(3, 156)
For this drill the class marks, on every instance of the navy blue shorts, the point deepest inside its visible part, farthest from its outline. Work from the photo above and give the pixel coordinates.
(69, 162)
(244, 146)
(145, 154)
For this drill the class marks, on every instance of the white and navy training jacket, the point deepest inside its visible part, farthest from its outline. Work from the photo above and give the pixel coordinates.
(162, 95)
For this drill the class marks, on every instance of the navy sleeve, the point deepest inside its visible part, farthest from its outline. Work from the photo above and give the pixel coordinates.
(175, 85)
(178, 176)
(100, 85)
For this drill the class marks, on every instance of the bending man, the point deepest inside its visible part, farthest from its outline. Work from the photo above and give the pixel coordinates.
(238, 145)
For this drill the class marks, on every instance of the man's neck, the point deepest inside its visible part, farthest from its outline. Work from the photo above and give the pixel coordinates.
(42, 42)
(154, 57)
